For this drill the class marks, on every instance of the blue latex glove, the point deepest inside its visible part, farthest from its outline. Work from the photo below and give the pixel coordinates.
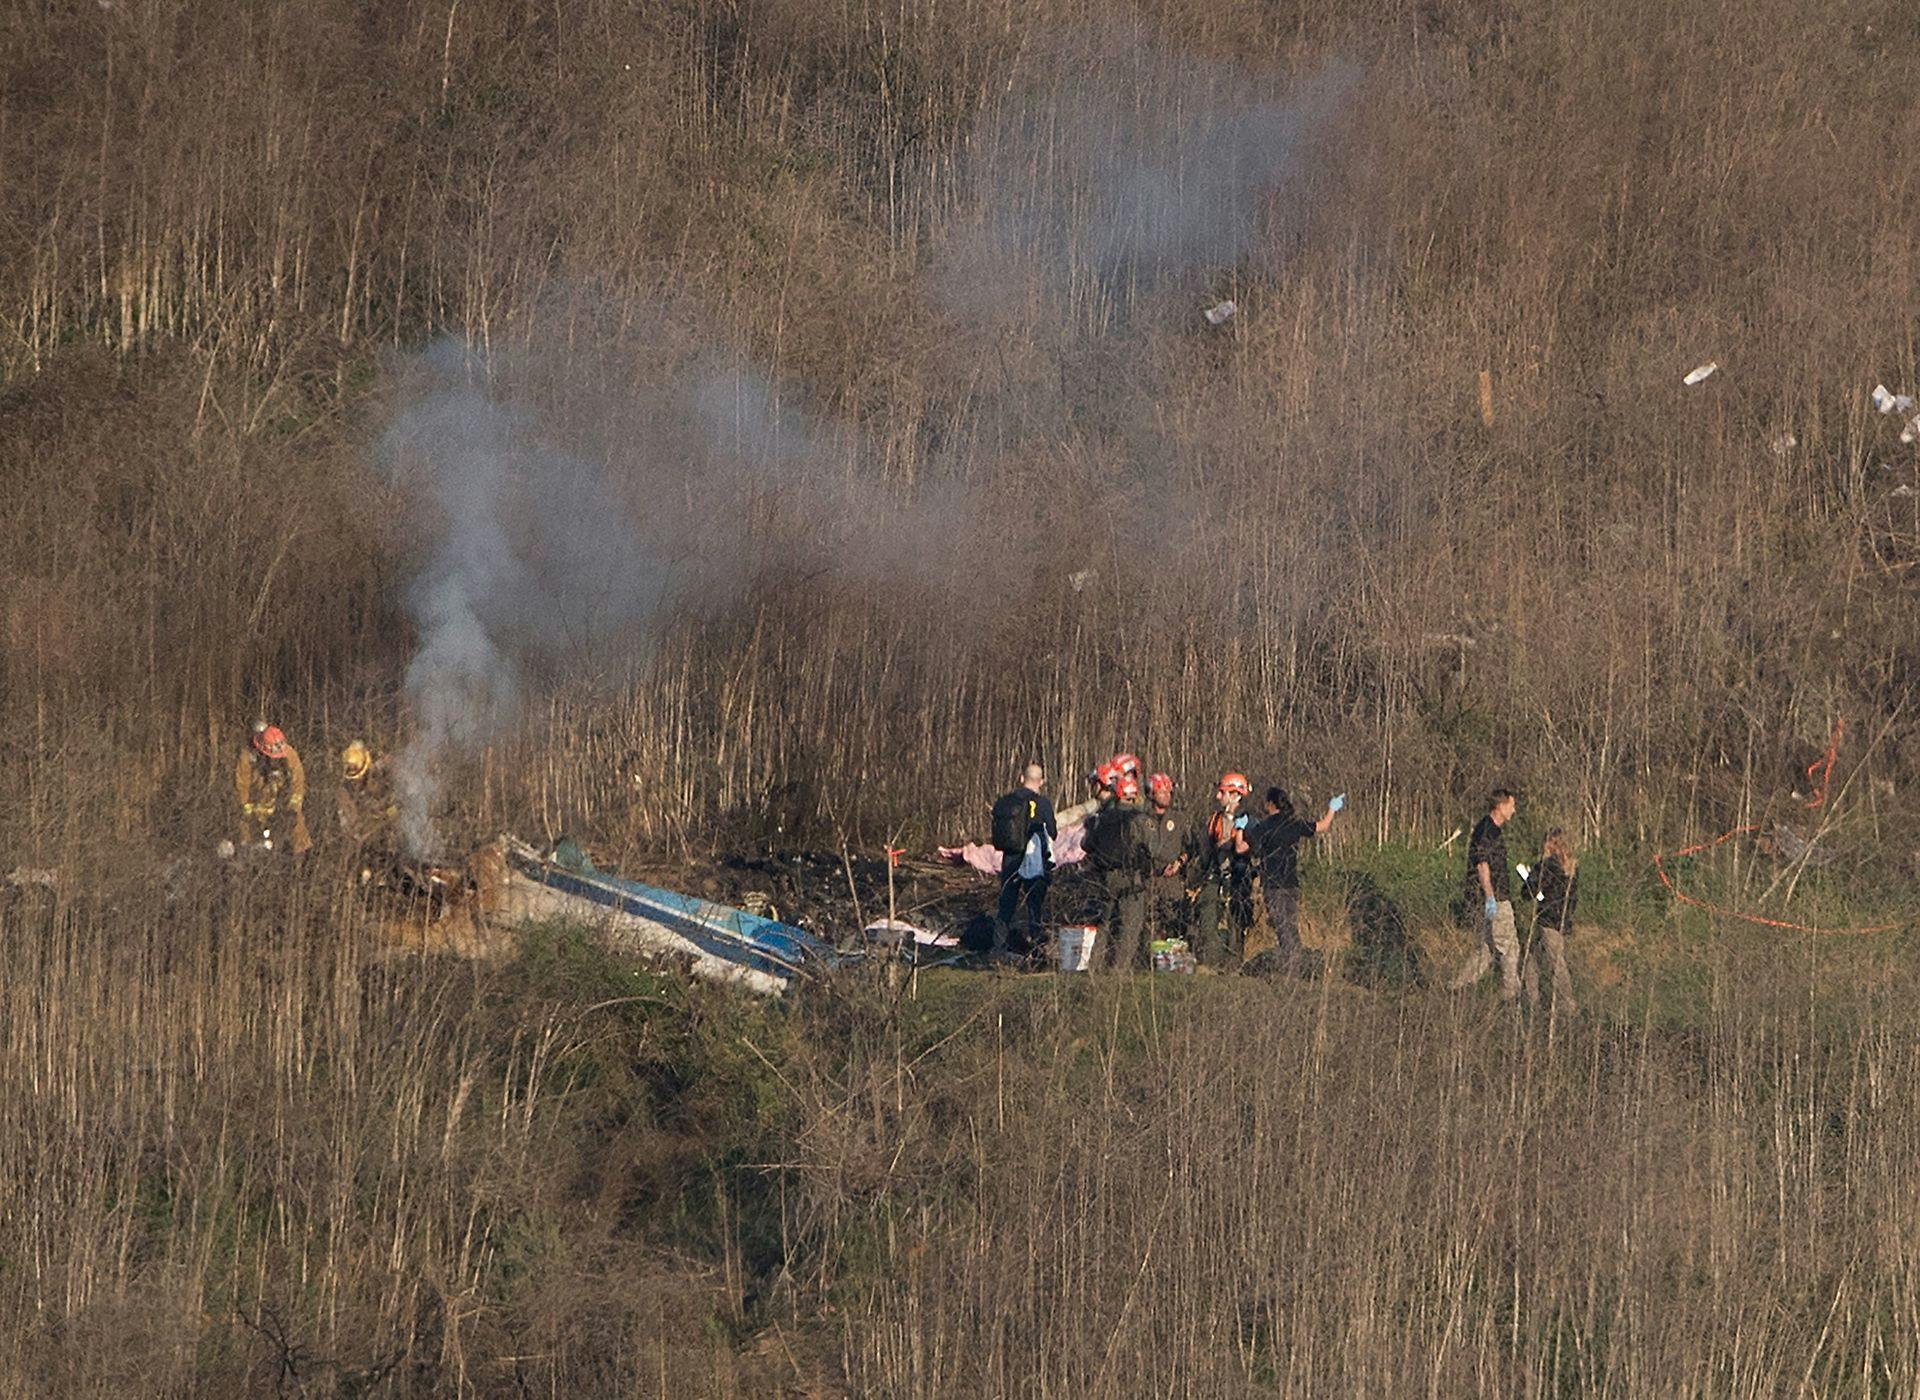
(1338, 802)
(1240, 823)
(1493, 907)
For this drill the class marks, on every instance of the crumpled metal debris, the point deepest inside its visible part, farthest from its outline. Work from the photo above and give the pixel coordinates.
(1220, 313)
(1700, 372)
(1886, 401)
(1794, 847)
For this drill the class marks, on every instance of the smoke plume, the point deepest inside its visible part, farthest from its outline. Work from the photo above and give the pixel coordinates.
(534, 552)
(578, 488)
(1115, 168)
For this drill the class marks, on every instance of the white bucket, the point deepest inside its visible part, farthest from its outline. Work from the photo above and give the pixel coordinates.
(1073, 946)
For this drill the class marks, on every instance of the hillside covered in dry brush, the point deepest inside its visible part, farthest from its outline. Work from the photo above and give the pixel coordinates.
(743, 430)
(881, 328)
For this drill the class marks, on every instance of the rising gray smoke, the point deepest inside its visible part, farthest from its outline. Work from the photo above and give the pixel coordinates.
(565, 497)
(571, 494)
(1115, 167)
(533, 552)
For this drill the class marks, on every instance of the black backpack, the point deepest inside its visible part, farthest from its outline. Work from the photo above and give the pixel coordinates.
(1013, 822)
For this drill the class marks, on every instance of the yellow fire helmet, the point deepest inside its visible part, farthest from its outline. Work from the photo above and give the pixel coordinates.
(356, 759)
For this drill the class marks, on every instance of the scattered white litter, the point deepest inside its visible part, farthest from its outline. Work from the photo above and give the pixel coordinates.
(1903, 491)
(1080, 579)
(1783, 445)
(899, 931)
(1700, 372)
(1887, 401)
(1911, 433)
(1220, 313)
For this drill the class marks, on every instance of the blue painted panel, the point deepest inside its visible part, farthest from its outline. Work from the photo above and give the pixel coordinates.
(732, 935)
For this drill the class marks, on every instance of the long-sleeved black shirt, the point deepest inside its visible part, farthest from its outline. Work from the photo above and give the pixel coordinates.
(1276, 845)
(1558, 893)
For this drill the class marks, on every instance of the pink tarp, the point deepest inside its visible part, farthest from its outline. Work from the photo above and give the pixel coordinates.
(1066, 850)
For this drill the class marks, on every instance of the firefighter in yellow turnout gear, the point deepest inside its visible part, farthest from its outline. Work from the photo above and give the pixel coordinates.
(365, 798)
(271, 784)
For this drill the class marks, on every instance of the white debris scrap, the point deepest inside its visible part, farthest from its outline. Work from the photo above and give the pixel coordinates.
(1886, 401)
(1911, 433)
(1700, 372)
(1080, 578)
(898, 932)
(1783, 445)
(1220, 313)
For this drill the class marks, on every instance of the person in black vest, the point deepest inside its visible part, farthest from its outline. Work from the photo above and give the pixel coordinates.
(1117, 850)
(1024, 829)
(1555, 887)
(1274, 843)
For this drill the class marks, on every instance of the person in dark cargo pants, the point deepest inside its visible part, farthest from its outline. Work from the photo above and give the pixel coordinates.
(1024, 829)
(1275, 844)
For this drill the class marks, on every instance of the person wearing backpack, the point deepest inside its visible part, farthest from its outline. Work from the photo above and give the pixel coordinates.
(1118, 851)
(1024, 829)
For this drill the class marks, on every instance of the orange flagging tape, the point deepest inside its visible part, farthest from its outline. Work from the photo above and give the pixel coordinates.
(1823, 767)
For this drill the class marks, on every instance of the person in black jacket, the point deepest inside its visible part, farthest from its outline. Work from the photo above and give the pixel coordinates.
(1024, 829)
(1275, 844)
(1556, 892)
(1118, 850)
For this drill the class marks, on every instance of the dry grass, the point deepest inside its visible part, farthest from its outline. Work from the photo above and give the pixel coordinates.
(1308, 1193)
(253, 1156)
(248, 1155)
